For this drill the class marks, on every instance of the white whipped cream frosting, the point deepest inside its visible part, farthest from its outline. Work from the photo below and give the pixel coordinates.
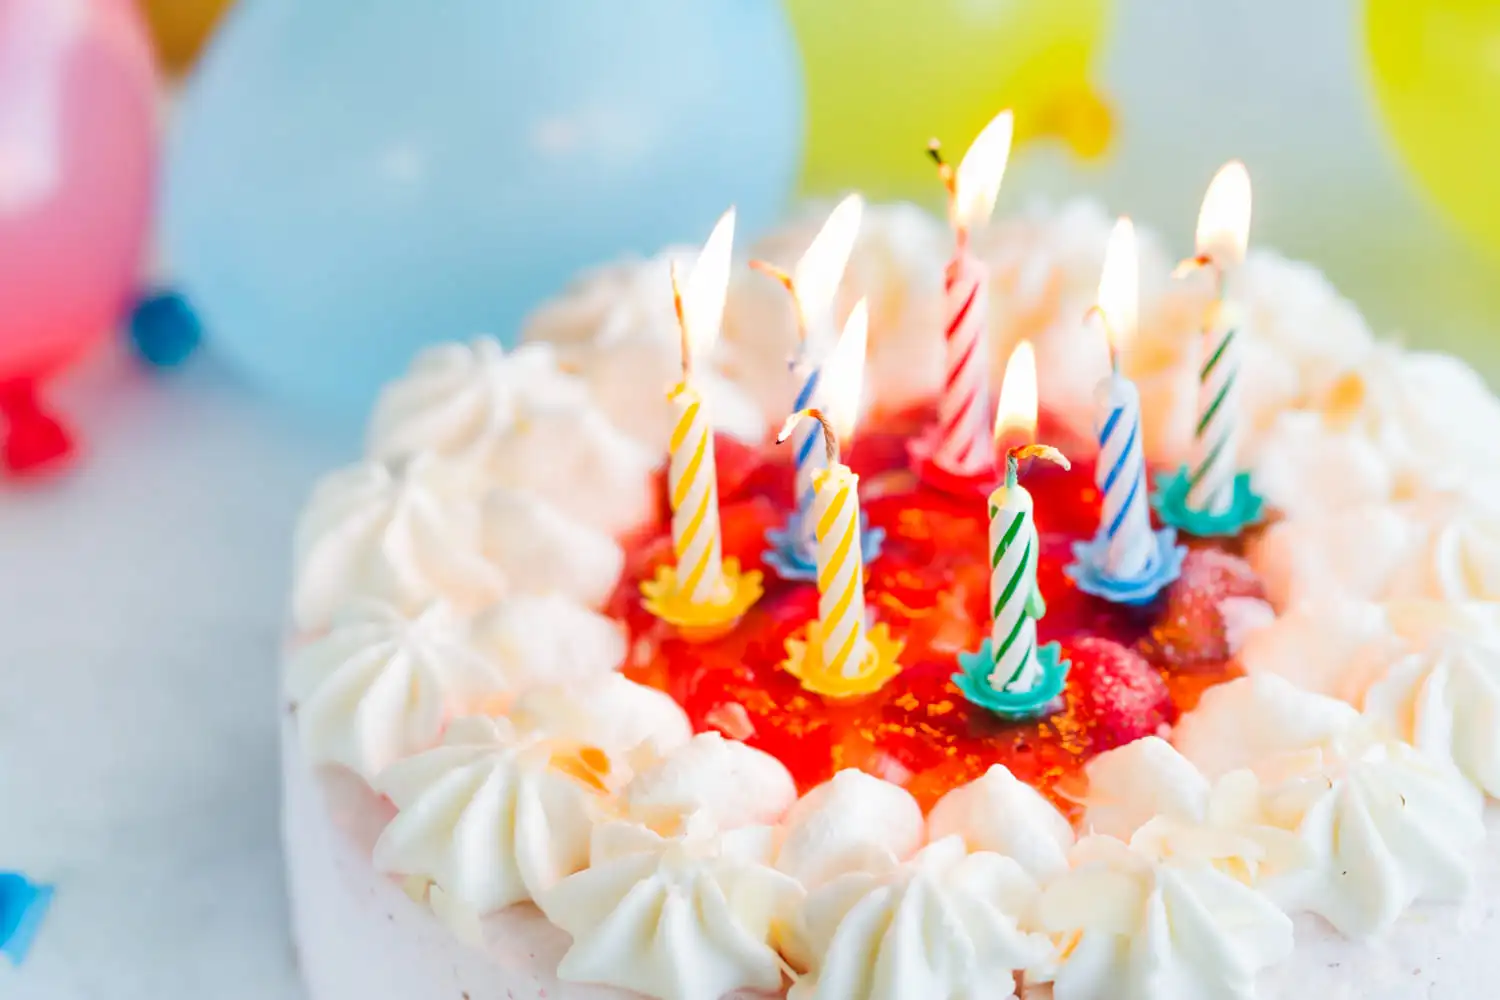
(609, 711)
(1430, 415)
(380, 686)
(1131, 784)
(1159, 919)
(1252, 719)
(1223, 819)
(853, 822)
(488, 816)
(999, 813)
(1307, 465)
(1443, 695)
(541, 550)
(733, 784)
(1444, 547)
(1356, 553)
(574, 459)
(683, 916)
(408, 534)
(459, 399)
(1383, 825)
(549, 638)
(1333, 646)
(944, 925)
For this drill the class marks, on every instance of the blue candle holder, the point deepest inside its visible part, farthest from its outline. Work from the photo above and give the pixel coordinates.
(973, 681)
(1090, 572)
(22, 906)
(1170, 501)
(793, 553)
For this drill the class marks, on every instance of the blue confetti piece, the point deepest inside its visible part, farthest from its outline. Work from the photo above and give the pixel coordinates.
(22, 906)
(164, 330)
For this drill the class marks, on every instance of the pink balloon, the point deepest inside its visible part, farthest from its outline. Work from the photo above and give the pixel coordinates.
(78, 138)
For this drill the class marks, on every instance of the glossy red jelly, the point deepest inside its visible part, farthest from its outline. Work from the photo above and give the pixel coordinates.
(931, 586)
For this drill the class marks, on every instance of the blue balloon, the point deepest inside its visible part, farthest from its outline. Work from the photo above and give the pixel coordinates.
(350, 181)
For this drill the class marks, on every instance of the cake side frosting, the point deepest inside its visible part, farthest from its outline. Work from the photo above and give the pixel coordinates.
(1349, 788)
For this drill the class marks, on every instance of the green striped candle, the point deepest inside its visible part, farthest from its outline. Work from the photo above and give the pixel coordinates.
(1223, 231)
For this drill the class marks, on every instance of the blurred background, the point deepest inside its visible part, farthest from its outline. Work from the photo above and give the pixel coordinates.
(286, 198)
(324, 187)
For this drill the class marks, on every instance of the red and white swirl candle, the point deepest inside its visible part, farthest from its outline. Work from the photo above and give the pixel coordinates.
(961, 444)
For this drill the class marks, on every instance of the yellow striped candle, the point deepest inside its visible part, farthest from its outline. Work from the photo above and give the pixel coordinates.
(693, 484)
(703, 592)
(839, 657)
(841, 570)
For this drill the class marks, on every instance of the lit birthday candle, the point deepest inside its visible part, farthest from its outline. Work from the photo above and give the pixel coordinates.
(1212, 497)
(839, 657)
(960, 444)
(1127, 561)
(702, 590)
(1010, 675)
(813, 286)
(1120, 475)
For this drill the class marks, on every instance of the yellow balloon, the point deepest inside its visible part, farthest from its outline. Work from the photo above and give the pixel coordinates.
(180, 27)
(885, 76)
(1435, 65)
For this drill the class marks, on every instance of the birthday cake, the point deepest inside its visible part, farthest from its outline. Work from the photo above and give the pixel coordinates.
(1118, 639)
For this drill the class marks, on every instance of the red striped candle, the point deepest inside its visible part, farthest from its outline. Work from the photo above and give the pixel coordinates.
(962, 444)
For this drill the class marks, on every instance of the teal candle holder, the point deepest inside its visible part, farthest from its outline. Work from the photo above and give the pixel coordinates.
(1170, 502)
(973, 681)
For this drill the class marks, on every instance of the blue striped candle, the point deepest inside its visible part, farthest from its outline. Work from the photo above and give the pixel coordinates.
(1125, 518)
(811, 458)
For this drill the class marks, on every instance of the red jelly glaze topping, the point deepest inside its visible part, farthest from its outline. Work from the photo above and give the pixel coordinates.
(931, 586)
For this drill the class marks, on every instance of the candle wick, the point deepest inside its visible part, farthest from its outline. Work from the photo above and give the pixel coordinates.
(1202, 261)
(1097, 314)
(945, 170)
(830, 439)
(789, 283)
(682, 330)
(1014, 456)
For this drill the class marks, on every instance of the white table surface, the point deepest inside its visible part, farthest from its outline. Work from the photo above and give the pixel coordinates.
(140, 607)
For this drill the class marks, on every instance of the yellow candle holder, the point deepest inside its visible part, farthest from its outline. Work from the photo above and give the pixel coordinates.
(702, 620)
(804, 661)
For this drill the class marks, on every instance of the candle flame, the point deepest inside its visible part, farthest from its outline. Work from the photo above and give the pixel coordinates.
(1018, 395)
(815, 281)
(977, 181)
(844, 371)
(1224, 219)
(1119, 287)
(701, 307)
